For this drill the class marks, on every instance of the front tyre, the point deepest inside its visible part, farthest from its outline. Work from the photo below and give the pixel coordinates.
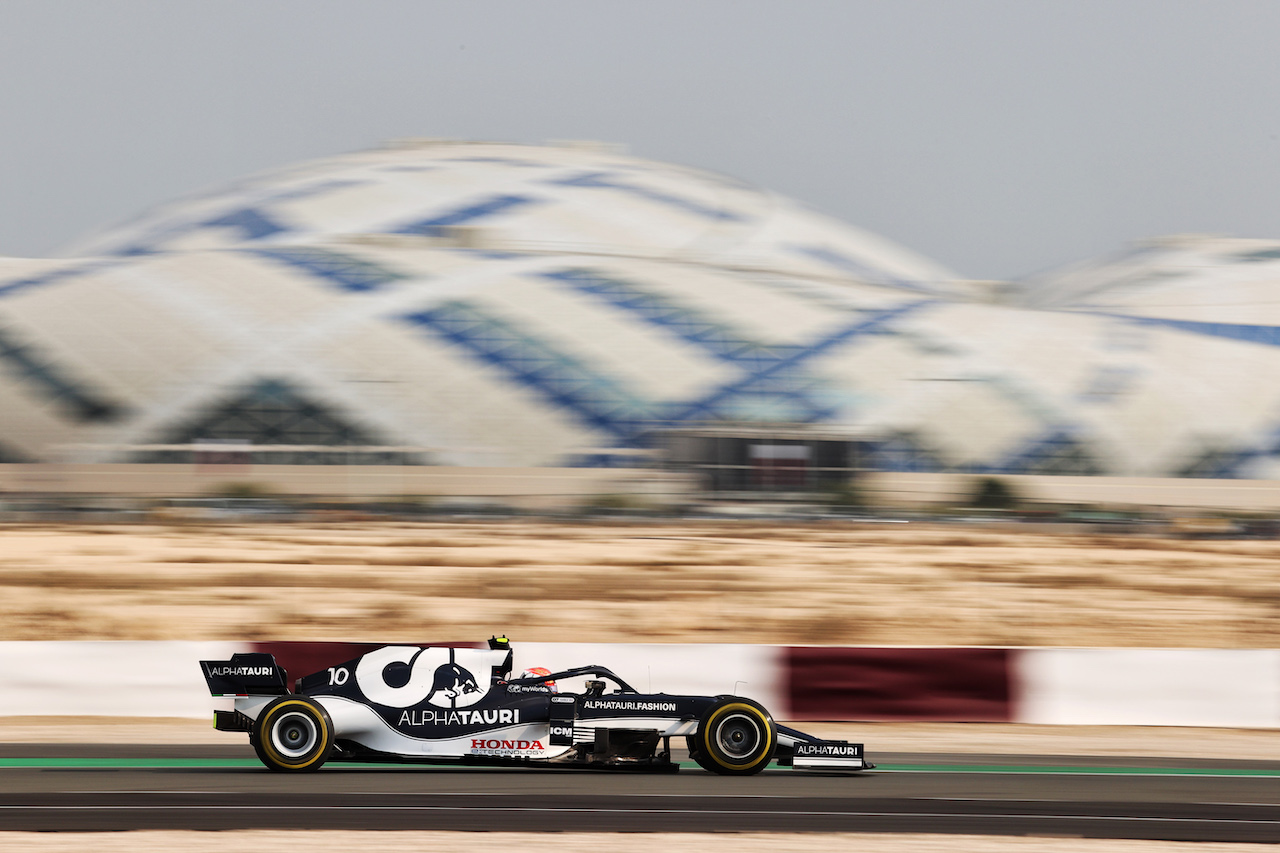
(293, 733)
(735, 737)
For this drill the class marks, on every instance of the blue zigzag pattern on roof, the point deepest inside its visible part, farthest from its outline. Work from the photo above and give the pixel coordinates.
(774, 374)
(1231, 463)
(312, 190)
(252, 224)
(687, 324)
(611, 181)
(859, 269)
(252, 219)
(523, 163)
(785, 376)
(1053, 452)
(779, 389)
(434, 226)
(1266, 335)
(598, 401)
(902, 453)
(1225, 465)
(61, 274)
(1220, 462)
(347, 271)
(40, 371)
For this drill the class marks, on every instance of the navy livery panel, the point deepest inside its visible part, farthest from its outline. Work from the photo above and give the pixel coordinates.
(439, 705)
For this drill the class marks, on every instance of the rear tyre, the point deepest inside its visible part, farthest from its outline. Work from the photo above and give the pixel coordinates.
(735, 737)
(293, 733)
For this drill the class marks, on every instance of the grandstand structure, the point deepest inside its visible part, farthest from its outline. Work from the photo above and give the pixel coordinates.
(492, 306)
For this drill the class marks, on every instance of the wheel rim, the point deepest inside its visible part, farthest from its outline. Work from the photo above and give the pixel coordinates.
(294, 735)
(739, 736)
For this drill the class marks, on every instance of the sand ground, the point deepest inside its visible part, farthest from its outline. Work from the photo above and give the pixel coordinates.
(830, 583)
(671, 581)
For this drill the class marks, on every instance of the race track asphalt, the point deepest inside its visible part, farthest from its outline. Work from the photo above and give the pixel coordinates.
(51, 787)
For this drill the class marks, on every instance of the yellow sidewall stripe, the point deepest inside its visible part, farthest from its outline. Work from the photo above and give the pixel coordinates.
(755, 714)
(269, 748)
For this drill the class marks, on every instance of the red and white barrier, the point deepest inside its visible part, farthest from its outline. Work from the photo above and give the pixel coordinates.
(903, 683)
(1177, 687)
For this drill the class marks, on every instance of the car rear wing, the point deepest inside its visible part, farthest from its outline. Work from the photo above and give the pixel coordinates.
(250, 674)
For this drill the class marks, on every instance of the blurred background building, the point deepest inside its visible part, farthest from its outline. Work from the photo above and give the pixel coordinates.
(492, 306)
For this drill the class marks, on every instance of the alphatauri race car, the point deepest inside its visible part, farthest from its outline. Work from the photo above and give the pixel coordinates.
(437, 705)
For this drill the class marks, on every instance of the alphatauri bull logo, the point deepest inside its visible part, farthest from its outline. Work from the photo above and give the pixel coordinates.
(443, 678)
(450, 682)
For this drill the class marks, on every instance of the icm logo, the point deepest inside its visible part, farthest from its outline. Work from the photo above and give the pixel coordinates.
(562, 731)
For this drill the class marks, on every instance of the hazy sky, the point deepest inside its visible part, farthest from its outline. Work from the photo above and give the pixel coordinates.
(999, 137)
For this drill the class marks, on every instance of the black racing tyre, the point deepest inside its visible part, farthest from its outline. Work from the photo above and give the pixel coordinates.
(293, 733)
(735, 737)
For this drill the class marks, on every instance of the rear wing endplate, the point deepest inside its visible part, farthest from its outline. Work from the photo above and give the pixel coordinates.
(250, 674)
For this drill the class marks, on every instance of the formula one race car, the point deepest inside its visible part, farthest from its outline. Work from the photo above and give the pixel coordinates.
(413, 704)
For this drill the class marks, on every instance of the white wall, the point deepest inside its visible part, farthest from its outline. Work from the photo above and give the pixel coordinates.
(1148, 687)
(1151, 687)
(107, 679)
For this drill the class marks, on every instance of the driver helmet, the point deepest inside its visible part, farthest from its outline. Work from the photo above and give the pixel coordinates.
(535, 671)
